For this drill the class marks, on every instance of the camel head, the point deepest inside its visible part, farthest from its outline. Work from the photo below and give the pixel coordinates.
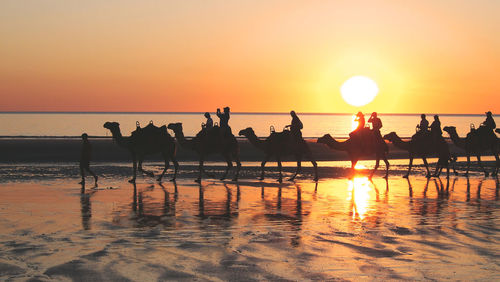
(246, 132)
(112, 125)
(391, 136)
(176, 127)
(450, 129)
(324, 139)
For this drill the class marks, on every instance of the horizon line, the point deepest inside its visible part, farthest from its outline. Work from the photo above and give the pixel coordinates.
(238, 113)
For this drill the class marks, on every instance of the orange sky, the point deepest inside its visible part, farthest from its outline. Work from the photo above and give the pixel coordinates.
(270, 56)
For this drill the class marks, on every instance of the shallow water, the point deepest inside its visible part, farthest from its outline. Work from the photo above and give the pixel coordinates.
(338, 228)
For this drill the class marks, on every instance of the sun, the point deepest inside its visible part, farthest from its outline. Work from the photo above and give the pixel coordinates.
(359, 90)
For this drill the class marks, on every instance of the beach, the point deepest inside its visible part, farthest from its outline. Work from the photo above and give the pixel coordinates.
(336, 229)
(343, 227)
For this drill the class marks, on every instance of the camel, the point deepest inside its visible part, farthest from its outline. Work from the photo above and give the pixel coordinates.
(280, 144)
(356, 152)
(210, 141)
(422, 148)
(142, 142)
(475, 144)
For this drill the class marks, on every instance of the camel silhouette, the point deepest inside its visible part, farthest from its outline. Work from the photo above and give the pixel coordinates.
(356, 151)
(422, 147)
(145, 142)
(474, 144)
(280, 144)
(210, 141)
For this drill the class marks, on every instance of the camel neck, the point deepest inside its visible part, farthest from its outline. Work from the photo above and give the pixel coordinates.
(254, 140)
(334, 144)
(460, 142)
(398, 142)
(182, 140)
(117, 135)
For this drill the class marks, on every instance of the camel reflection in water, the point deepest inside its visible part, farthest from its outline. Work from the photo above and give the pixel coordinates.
(147, 213)
(286, 211)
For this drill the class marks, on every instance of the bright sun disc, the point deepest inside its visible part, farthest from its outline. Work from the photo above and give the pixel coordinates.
(359, 90)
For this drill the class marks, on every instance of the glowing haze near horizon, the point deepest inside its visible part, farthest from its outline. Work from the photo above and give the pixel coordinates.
(256, 56)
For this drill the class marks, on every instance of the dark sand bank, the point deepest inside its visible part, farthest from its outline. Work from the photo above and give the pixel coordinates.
(105, 150)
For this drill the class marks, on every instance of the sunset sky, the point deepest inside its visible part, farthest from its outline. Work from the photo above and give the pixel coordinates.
(255, 56)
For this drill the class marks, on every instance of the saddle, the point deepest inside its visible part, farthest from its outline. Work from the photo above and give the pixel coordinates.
(367, 140)
(149, 131)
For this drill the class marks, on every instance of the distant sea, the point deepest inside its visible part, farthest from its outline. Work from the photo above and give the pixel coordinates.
(315, 125)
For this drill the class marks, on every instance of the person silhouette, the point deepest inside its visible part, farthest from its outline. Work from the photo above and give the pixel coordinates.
(376, 126)
(224, 121)
(360, 118)
(436, 127)
(489, 123)
(296, 126)
(85, 157)
(424, 124)
(210, 123)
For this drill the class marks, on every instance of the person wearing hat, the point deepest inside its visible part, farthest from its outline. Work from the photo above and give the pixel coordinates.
(360, 118)
(376, 126)
(224, 121)
(489, 123)
(85, 157)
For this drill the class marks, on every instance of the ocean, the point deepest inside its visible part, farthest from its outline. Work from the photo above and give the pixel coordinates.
(315, 125)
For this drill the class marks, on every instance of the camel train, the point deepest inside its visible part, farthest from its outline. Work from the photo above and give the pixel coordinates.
(220, 140)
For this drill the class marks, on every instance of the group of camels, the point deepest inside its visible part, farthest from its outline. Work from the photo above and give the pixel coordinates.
(152, 139)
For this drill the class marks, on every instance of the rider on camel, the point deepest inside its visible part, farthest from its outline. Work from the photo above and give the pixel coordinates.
(424, 124)
(295, 126)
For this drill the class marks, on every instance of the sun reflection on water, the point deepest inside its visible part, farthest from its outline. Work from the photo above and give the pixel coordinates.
(359, 196)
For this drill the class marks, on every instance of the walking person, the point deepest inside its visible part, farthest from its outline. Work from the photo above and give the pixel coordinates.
(85, 157)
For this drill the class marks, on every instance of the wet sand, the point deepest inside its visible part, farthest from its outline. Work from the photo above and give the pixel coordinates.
(336, 229)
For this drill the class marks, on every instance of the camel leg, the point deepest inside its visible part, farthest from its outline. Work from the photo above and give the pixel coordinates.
(148, 173)
(386, 167)
(468, 165)
(426, 167)
(278, 160)
(165, 157)
(377, 162)
(238, 167)
(409, 166)
(478, 156)
(299, 168)
(262, 165)
(497, 164)
(134, 165)
(229, 166)
(176, 168)
(315, 165)
(200, 170)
